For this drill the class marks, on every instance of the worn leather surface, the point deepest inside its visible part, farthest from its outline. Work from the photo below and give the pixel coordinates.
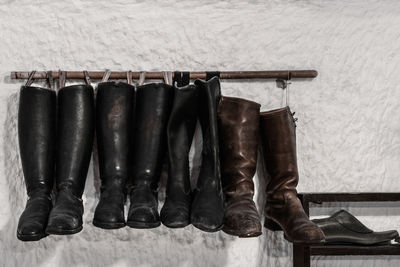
(343, 228)
(75, 134)
(37, 143)
(208, 203)
(114, 117)
(180, 130)
(153, 106)
(278, 137)
(238, 125)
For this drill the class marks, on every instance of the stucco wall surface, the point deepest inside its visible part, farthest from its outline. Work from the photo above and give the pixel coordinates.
(349, 116)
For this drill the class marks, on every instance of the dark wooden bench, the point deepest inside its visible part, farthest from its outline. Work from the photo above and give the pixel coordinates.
(302, 254)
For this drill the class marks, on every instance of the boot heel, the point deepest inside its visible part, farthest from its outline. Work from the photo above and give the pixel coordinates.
(271, 225)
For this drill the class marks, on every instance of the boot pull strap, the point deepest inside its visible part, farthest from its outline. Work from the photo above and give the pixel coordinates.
(167, 77)
(211, 74)
(86, 77)
(177, 82)
(62, 75)
(142, 78)
(30, 78)
(185, 78)
(106, 75)
(129, 76)
(50, 80)
(181, 78)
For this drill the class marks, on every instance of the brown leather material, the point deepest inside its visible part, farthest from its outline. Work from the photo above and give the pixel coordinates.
(238, 121)
(278, 137)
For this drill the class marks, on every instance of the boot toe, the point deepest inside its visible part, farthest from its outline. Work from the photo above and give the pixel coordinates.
(109, 213)
(242, 226)
(30, 229)
(175, 218)
(207, 222)
(63, 225)
(143, 217)
(108, 219)
(109, 216)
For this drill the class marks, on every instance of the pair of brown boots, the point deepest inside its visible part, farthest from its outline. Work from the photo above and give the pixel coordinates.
(240, 126)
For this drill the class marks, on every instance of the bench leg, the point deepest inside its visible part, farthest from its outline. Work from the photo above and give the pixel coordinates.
(301, 256)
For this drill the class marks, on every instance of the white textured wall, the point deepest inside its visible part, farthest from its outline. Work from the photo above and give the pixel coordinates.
(349, 117)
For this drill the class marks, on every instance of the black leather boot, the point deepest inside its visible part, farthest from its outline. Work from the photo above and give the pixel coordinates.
(37, 135)
(114, 110)
(75, 141)
(208, 204)
(152, 108)
(181, 126)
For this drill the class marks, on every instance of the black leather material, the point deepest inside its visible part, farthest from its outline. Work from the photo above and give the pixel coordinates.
(152, 109)
(37, 143)
(208, 203)
(181, 126)
(343, 228)
(75, 141)
(211, 74)
(114, 112)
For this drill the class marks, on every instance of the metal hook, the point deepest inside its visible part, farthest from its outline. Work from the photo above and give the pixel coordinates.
(284, 85)
(167, 77)
(50, 80)
(30, 78)
(62, 75)
(86, 77)
(129, 76)
(106, 75)
(142, 77)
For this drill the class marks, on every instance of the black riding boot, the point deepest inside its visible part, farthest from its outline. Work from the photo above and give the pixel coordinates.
(153, 105)
(182, 123)
(37, 135)
(114, 107)
(75, 142)
(208, 203)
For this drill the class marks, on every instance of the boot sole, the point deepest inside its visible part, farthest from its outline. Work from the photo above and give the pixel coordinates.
(108, 225)
(253, 233)
(176, 225)
(56, 231)
(142, 225)
(35, 237)
(206, 229)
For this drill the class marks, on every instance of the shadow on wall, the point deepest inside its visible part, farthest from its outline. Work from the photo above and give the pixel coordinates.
(94, 246)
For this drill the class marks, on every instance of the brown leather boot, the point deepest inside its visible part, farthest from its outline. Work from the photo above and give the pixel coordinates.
(238, 121)
(283, 207)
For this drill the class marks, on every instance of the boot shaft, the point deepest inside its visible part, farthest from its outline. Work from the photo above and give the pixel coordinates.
(180, 132)
(152, 110)
(37, 137)
(278, 137)
(114, 116)
(210, 93)
(238, 125)
(207, 210)
(75, 137)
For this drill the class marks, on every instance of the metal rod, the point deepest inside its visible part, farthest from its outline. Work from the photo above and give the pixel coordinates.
(276, 74)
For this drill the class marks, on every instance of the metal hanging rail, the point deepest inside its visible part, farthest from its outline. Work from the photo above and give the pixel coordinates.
(278, 74)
